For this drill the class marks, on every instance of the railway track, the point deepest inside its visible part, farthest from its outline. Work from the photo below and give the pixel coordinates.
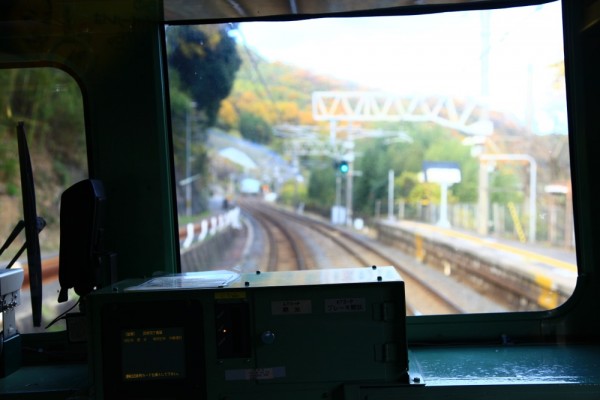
(285, 251)
(424, 298)
(296, 242)
(344, 249)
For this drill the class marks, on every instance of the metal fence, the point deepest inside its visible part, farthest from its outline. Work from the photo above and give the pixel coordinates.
(554, 223)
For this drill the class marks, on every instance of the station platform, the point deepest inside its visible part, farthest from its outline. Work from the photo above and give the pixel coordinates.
(549, 273)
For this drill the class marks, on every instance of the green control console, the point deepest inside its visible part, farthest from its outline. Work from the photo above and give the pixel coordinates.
(224, 335)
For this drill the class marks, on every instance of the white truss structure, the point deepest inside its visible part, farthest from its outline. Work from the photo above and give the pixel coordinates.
(468, 116)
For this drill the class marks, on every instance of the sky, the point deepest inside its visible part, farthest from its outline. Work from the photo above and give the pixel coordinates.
(438, 54)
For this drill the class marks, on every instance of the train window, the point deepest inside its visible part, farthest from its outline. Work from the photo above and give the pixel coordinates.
(435, 143)
(49, 102)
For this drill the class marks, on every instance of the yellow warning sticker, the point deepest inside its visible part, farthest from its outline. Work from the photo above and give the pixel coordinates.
(229, 295)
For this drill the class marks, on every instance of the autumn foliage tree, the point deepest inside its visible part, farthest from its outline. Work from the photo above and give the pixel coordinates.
(206, 59)
(254, 128)
(203, 61)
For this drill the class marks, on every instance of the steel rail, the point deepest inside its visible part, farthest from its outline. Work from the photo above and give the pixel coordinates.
(268, 220)
(355, 248)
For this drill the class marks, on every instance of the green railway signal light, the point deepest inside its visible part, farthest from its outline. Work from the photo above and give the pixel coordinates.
(343, 167)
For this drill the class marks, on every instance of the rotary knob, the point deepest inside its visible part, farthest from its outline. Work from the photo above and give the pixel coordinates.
(267, 337)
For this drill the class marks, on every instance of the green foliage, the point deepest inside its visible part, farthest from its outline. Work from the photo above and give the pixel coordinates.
(293, 192)
(64, 112)
(8, 161)
(276, 92)
(181, 112)
(12, 189)
(425, 193)
(450, 148)
(429, 142)
(288, 97)
(321, 186)
(62, 172)
(49, 102)
(203, 62)
(199, 159)
(207, 61)
(372, 185)
(254, 128)
(405, 183)
(505, 186)
(181, 99)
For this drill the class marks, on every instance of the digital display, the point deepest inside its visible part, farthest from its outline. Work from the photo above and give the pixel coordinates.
(153, 354)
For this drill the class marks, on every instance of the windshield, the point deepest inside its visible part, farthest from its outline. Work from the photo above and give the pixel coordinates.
(434, 143)
(49, 103)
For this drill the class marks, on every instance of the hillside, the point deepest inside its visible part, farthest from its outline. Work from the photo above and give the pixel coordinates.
(49, 102)
(263, 96)
(281, 94)
(275, 92)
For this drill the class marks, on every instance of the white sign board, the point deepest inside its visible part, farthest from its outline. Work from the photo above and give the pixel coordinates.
(442, 172)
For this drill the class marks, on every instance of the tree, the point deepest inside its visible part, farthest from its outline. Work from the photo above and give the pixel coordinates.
(425, 193)
(49, 101)
(228, 117)
(203, 62)
(451, 149)
(293, 192)
(405, 183)
(429, 142)
(254, 128)
(207, 61)
(506, 185)
(321, 185)
(372, 185)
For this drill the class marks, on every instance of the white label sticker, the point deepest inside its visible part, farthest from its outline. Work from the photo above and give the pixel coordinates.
(254, 374)
(287, 307)
(345, 305)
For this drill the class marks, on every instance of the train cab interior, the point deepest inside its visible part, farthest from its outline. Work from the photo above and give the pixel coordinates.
(252, 334)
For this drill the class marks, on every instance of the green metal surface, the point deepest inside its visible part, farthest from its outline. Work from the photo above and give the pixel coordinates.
(46, 382)
(324, 330)
(338, 276)
(114, 50)
(495, 372)
(508, 365)
(10, 355)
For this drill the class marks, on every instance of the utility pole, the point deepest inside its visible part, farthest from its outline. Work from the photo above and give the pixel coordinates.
(188, 158)
(310, 144)
(349, 176)
(391, 194)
